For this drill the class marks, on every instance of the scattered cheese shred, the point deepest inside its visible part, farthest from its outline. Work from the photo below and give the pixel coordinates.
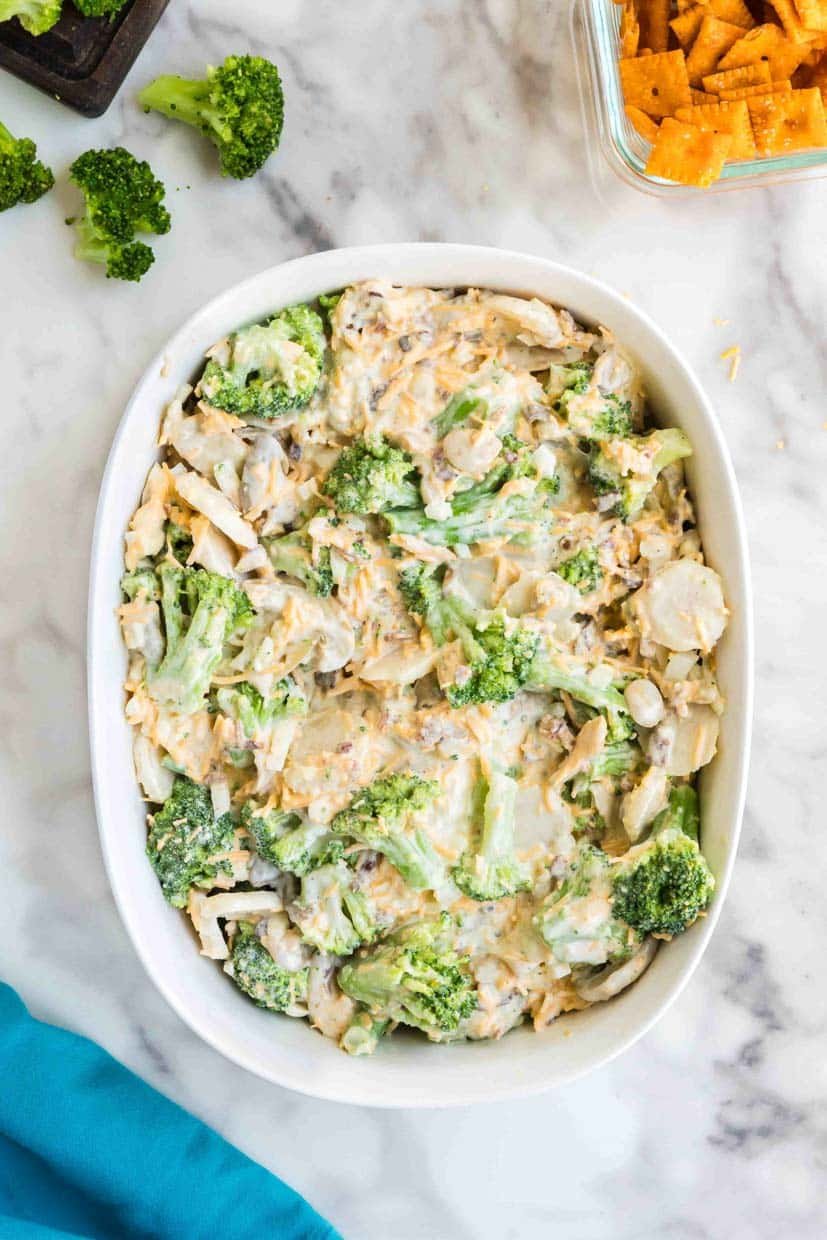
(733, 356)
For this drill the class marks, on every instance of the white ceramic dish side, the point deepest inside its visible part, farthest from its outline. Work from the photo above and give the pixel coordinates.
(405, 1071)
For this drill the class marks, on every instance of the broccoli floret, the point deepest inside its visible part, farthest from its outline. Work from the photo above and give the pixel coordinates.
(598, 422)
(371, 476)
(296, 555)
(244, 703)
(414, 977)
(582, 570)
(123, 197)
(663, 885)
(459, 409)
(327, 304)
(609, 477)
(614, 761)
(304, 848)
(23, 178)
(268, 984)
(490, 870)
(141, 580)
(239, 106)
(179, 542)
(331, 913)
(200, 610)
(500, 654)
(267, 829)
(681, 813)
(270, 369)
(577, 920)
(363, 1033)
(573, 377)
(36, 17)
(546, 675)
(186, 840)
(99, 8)
(380, 818)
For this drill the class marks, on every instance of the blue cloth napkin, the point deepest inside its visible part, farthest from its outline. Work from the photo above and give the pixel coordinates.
(89, 1150)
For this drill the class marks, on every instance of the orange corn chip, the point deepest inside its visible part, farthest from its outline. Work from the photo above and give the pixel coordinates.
(629, 30)
(714, 39)
(656, 84)
(687, 25)
(687, 154)
(793, 26)
(813, 14)
(731, 79)
(644, 124)
(653, 16)
(784, 123)
(729, 118)
(766, 43)
(757, 92)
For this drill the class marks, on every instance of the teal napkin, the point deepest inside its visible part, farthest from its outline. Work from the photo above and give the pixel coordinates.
(89, 1150)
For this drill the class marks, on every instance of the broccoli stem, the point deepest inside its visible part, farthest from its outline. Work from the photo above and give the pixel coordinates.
(183, 99)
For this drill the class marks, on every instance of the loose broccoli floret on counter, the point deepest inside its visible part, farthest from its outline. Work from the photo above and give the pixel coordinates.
(304, 848)
(578, 921)
(186, 840)
(201, 610)
(582, 570)
(244, 703)
(663, 885)
(269, 369)
(267, 829)
(123, 197)
(613, 474)
(681, 814)
(268, 984)
(99, 8)
(331, 913)
(546, 675)
(500, 653)
(380, 817)
(141, 580)
(296, 555)
(490, 870)
(371, 476)
(239, 106)
(363, 1033)
(414, 977)
(36, 17)
(23, 178)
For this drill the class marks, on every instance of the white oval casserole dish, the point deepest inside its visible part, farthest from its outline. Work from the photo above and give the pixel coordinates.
(407, 1071)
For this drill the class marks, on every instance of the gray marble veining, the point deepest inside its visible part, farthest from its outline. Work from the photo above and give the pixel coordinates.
(436, 120)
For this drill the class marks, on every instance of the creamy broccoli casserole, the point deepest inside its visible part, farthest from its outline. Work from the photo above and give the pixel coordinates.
(421, 664)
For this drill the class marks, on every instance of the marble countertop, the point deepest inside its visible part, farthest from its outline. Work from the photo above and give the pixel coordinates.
(449, 120)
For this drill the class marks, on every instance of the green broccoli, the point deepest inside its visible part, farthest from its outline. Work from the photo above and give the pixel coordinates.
(491, 396)
(363, 1033)
(615, 760)
(255, 713)
(179, 542)
(304, 848)
(268, 984)
(582, 570)
(123, 197)
(490, 870)
(186, 840)
(296, 555)
(36, 17)
(577, 920)
(596, 423)
(571, 377)
(681, 814)
(23, 178)
(500, 653)
(327, 304)
(371, 476)
(629, 490)
(141, 580)
(201, 610)
(267, 829)
(379, 817)
(239, 106)
(663, 885)
(414, 977)
(271, 369)
(99, 8)
(460, 408)
(331, 913)
(546, 675)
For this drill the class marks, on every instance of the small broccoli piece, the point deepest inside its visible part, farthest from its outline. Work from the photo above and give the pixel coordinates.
(99, 8)
(179, 542)
(577, 920)
(546, 675)
(201, 610)
(141, 579)
(598, 422)
(267, 829)
(255, 713)
(414, 977)
(582, 570)
(614, 761)
(123, 197)
(23, 178)
(331, 913)
(460, 408)
(296, 555)
(500, 654)
(186, 840)
(268, 984)
(270, 369)
(681, 813)
(630, 491)
(239, 106)
(663, 885)
(304, 848)
(380, 818)
(371, 476)
(490, 870)
(573, 377)
(363, 1033)
(327, 304)
(36, 17)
